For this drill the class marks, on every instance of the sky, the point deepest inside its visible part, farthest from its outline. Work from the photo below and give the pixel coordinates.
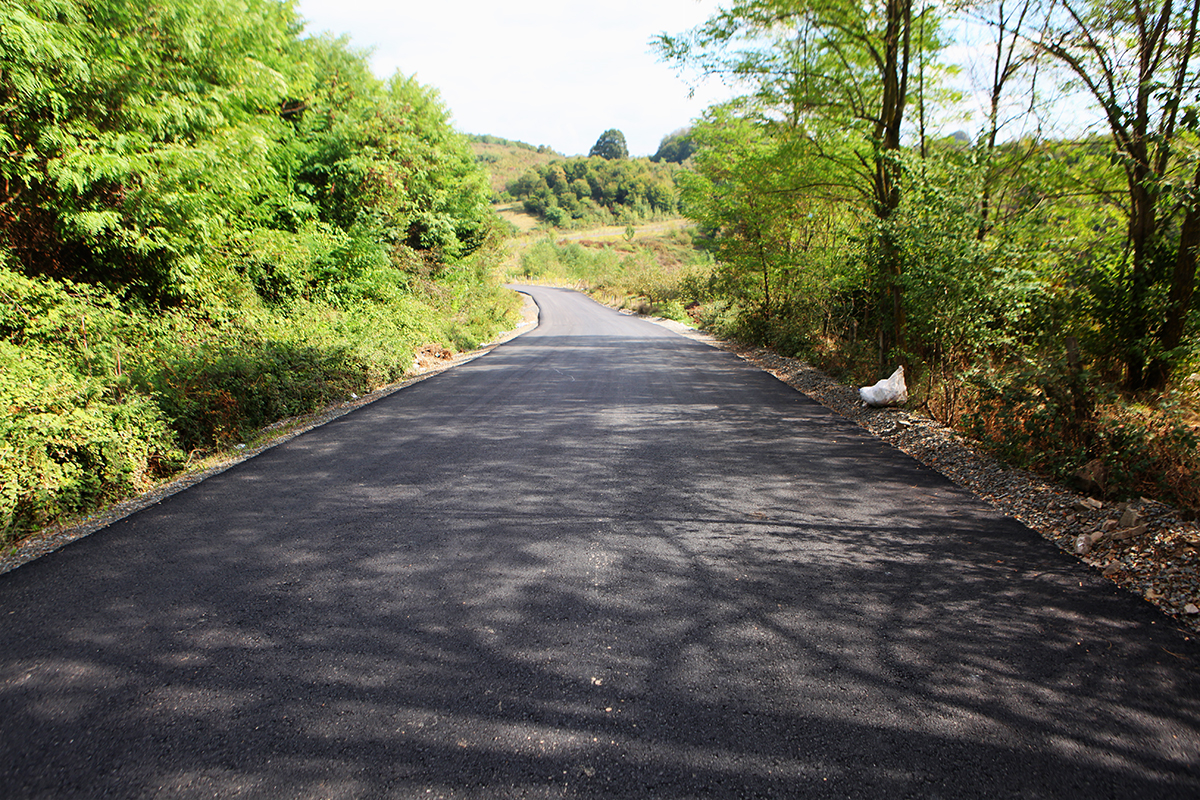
(552, 72)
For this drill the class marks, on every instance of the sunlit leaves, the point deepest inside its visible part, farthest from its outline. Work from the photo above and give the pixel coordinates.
(139, 134)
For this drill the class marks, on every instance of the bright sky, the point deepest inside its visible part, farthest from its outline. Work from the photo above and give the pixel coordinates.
(553, 72)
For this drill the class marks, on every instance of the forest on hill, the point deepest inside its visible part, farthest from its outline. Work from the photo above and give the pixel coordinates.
(505, 159)
(606, 187)
(595, 191)
(209, 222)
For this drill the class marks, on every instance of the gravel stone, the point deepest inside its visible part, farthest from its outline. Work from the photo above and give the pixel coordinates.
(1146, 546)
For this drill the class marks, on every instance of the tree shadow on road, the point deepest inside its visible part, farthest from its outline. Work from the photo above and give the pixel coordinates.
(631, 585)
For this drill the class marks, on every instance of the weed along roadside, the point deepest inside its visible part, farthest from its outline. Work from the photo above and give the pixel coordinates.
(430, 361)
(1144, 545)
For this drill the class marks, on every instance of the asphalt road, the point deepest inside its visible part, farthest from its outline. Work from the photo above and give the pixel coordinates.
(601, 561)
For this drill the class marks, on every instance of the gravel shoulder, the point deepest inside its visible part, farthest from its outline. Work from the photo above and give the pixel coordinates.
(1144, 546)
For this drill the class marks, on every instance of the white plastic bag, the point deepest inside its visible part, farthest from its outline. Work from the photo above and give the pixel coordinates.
(889, 392)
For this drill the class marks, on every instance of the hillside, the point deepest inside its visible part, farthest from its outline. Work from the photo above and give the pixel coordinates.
(505, 160)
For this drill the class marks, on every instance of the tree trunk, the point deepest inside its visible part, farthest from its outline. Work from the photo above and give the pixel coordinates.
(1142, 230)
(894, 75)
(1179, 302)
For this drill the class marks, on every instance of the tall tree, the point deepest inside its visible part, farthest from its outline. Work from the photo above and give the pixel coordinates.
(833, 71)
(1006, 60)
(761, 204)
(1138, 59)
(114, 117)
(610, 145)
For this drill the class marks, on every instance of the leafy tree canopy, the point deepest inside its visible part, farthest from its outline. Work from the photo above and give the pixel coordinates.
(209, 223)
(138, 138)
(610, 145)
(598, 190)
(676, 147)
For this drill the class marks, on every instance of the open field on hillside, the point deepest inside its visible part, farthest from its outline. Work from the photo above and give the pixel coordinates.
(505, 162)
(513, 213)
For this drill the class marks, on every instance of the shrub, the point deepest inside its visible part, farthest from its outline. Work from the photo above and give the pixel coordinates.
(65, 450)
(1052, 421)
(103, 399)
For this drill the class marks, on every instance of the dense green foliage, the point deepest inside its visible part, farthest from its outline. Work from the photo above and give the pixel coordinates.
(1036, 289)
(598, 191)
(610, 145)
(207, 223)
(675, 147)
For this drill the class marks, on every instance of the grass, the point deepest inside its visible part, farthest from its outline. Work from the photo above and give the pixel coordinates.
(103, 400)
(505, 163)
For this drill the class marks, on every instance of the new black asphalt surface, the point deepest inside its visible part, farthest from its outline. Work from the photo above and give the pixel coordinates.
(601, 561)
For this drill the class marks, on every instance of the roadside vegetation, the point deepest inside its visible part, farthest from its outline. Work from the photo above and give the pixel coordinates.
(209, 222)
(1037, 286)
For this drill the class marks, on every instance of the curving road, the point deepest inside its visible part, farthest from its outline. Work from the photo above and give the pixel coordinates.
(602, 561)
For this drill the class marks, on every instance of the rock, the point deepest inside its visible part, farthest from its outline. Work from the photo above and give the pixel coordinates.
(1083, 544)
(1109, 525)
(1088, 504)
(1191, 608)
(1093, 476)
(1130, 518)
(1129, 533)
(1112, 569)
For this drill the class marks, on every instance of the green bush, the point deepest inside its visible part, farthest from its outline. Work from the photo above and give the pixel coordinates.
(1053, 421)
(103, 399)
(73, 433)
(211, 223)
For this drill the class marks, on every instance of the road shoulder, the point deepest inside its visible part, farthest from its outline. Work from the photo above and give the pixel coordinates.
(1157, 557)
(55, 537)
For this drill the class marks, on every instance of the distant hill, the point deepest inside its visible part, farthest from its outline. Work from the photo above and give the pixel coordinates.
(506, 160)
